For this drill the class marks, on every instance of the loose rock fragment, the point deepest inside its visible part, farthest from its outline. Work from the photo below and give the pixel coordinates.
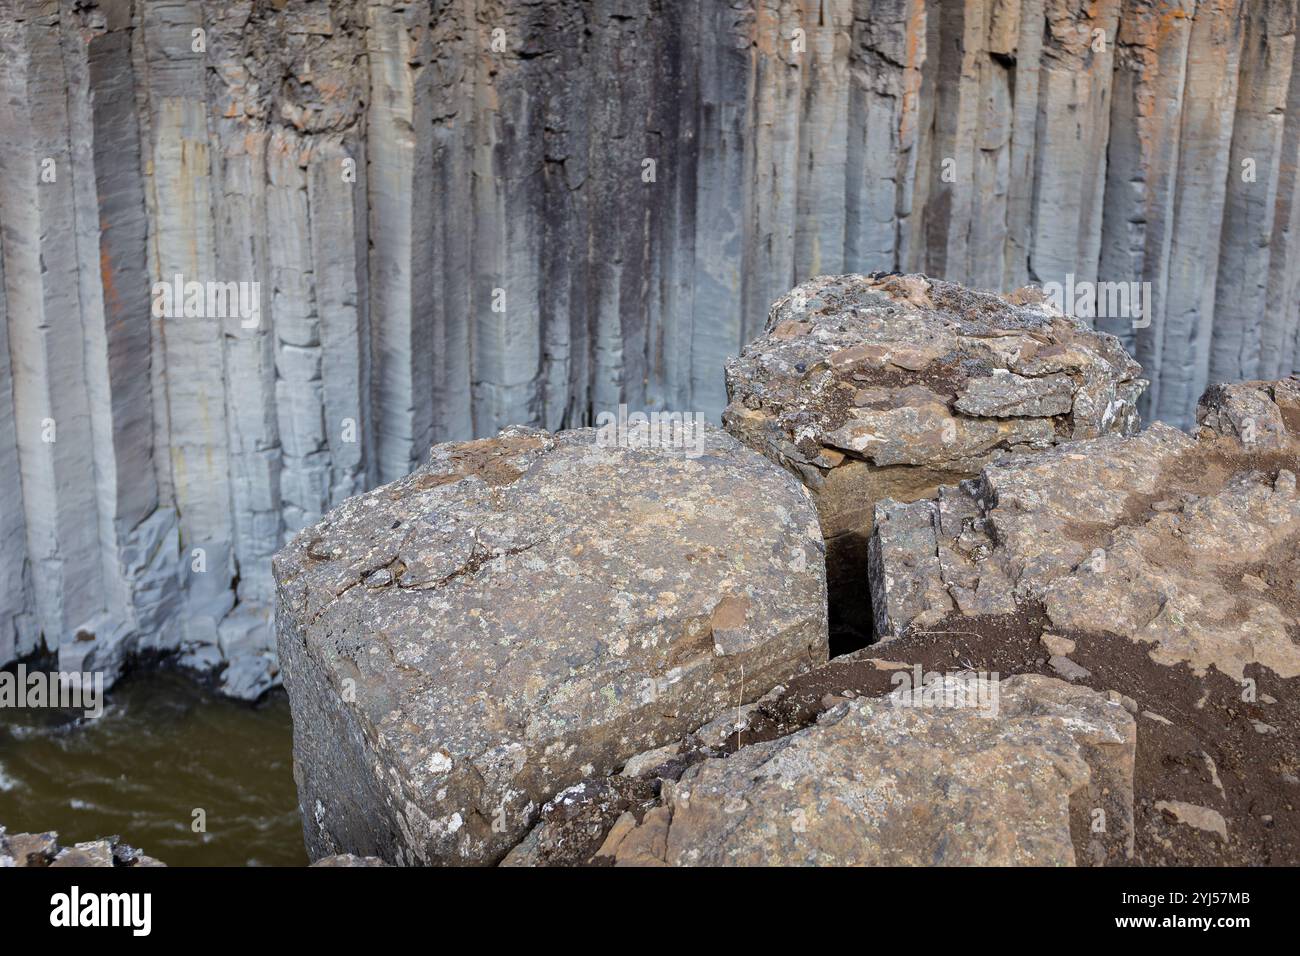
(1203, 818)
(43, 849)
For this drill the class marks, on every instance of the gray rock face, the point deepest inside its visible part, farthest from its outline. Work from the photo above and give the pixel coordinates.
(464, 215)
(1188, 546)
(888, 387)
(524, 611)
(886, 781)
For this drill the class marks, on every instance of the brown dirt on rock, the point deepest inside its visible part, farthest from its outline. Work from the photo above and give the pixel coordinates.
(1207, 716)
(488, 458)
(1202, 746)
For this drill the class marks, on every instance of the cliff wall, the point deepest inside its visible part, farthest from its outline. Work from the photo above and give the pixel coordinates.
(428, 220)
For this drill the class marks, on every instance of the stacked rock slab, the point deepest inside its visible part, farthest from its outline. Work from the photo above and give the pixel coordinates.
(1003, 773)
(523, 611)
(1186, 545)
(887, 386)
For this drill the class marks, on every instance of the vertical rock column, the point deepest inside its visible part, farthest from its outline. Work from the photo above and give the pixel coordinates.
(183, 242)
(1024, 130)
(236, 95)
(678, 55)
(1254, 171)
(1142, 157)
(399, 156)
(1180, 355)
(956, 122)
(820, 183)
(884, 121)
(336, 206)
(779, 59)
(720, 197)
(1281, 324)
(299, 389)
(137, 537)
(615, 166)
(1074, 87)
(52, 419)
(456, 38)
(18, 634)
(508, 214)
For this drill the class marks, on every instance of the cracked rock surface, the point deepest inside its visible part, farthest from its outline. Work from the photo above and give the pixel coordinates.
(881, 782)
(1189, 546)
(887, 386)
(522, 612)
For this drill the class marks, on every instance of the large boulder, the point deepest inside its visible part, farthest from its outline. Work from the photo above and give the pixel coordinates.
(966, 770)
(1163, 567)
(887, 386)
(523, 611)
(1189, 546)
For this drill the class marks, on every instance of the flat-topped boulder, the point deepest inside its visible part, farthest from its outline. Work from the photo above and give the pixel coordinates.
(964, 771)
(1189, 546)
(887, 386)
(527, 610)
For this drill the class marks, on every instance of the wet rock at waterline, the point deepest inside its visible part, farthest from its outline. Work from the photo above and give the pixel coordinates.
(523, 611)
(43, 849)
(872, 387)
(987, 773)
(1189, 546)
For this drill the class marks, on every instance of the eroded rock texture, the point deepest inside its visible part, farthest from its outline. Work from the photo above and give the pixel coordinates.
(525, 611)
(889, 386)
(1186, 546)
(883, 782)
(469, 214)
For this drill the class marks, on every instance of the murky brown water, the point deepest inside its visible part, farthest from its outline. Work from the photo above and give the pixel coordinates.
(162, 748)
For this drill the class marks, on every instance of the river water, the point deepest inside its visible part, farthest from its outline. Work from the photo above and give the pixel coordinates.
(163, 748)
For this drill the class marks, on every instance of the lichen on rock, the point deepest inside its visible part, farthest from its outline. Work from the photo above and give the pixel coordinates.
(1187, 545)
(878, 782)
(523, 611)
(887, 386)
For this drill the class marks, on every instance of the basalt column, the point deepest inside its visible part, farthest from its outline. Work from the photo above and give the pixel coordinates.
(450, 216)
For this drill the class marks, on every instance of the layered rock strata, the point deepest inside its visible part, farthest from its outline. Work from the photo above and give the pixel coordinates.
(1187, 546)
(872, 387)
(527, 610)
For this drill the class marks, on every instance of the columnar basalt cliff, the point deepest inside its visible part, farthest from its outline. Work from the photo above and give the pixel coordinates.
(414, 222)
